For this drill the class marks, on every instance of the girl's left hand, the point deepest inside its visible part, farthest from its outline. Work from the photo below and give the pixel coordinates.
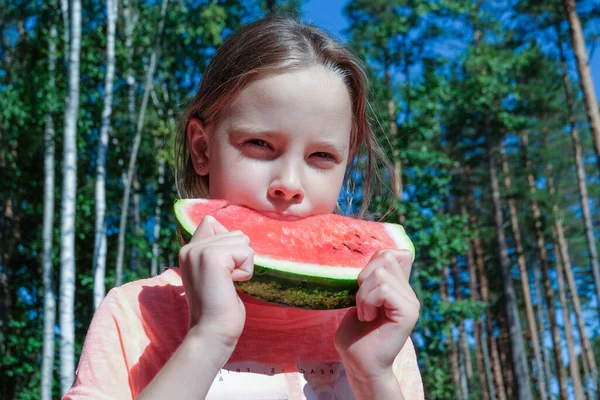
(372, 334)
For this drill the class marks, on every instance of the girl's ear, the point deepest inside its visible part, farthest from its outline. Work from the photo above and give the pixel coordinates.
(198, 145)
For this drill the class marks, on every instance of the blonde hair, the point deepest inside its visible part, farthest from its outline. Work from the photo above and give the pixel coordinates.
(277, 43)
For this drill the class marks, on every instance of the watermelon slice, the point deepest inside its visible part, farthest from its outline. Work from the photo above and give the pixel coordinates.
(311, 263)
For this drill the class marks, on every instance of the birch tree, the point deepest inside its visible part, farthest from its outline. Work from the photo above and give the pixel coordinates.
(136, 144)
(48, 230)
(99, 262)
(69, 186)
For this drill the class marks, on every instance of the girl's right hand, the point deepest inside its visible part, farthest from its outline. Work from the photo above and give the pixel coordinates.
(210, 263)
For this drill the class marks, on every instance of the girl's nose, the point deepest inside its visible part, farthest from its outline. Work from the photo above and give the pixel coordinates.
(287, 186)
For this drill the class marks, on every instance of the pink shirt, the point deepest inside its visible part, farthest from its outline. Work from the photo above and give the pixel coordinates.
(283, 353)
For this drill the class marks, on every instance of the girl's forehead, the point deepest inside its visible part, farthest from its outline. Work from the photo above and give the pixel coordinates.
(313, 95)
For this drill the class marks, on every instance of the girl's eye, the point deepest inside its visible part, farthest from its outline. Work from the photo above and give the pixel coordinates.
(258, 143)
(325, 156)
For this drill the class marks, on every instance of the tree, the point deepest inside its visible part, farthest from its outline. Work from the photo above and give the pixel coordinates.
(99, 260)
(128, 181)
(67, 228)
(545, 267)
(514, 325)
(48, 235)
(583, 198)
(585, 78)
(525, 286)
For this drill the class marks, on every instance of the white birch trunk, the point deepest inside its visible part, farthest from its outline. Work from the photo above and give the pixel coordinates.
(136, 144)
(130, 21)
(48, 268)
(64, 8)
(67, 228)
(156, 252)
(135, 226)
(159, 202)
(99, 261)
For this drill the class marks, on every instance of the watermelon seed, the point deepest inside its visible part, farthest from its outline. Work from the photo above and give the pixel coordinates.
(346, 246)
(357, 235)
(373, 237)
(357, 251)
(335, 248)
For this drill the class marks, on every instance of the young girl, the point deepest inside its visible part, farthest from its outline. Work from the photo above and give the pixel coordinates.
(279, 114)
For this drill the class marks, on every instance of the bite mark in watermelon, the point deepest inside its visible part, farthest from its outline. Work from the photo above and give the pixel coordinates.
(311, 263)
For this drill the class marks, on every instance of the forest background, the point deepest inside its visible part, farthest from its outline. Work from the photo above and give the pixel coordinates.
(486, 108)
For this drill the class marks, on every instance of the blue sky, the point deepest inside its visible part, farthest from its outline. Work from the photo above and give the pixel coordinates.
(328, 15)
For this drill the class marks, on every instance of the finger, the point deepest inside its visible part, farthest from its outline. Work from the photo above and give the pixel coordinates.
(395, 303)
(379, 277)
(244, 265)
(374, 263)
(233, 237)
(209, 226)
(381, 259)
(191, 252)
(230, 257)
(374, 280)
(397, 262)
(404, 258)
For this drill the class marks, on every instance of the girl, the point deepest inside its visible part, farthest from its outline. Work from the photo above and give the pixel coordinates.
(279, 114)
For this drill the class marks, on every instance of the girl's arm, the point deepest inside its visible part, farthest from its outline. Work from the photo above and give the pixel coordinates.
(190, 372)
(209, 264)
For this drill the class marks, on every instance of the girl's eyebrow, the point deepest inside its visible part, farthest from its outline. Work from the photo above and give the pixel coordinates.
(248, 130)
(325, 145)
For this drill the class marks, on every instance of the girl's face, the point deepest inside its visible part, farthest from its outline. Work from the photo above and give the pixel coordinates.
(281, 147)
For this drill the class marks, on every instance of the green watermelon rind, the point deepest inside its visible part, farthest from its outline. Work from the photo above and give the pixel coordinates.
(182, 217)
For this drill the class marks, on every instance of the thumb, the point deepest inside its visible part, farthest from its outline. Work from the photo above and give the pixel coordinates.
(208, 227)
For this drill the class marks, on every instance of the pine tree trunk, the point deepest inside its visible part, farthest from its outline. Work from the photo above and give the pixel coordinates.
(521, 370)
(543, 256)
(136, 144)
(539, 301)
(8, 233)
(47, 377)
(586, 348)
(99, 261)
(496, 369)
(479, 358)
(454, 368)
(564, 305)
(525, 286)
(466, 364)
(585, 78)
(505, 344)
(67, 228)
(581, 179)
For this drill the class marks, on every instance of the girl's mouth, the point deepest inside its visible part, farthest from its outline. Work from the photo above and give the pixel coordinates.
(280, 216)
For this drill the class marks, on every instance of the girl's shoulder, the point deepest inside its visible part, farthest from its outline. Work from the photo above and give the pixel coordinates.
(148, 297)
